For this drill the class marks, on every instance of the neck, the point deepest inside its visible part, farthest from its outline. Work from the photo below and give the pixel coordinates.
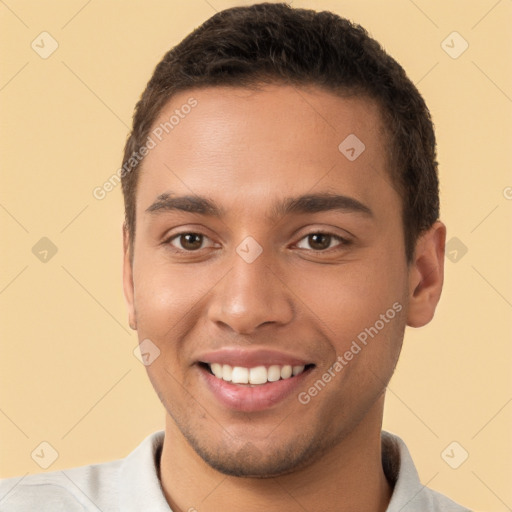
(349, 477)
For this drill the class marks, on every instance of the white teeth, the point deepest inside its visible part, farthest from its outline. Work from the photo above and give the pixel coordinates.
(286, 372)
(240, 375)
(297, 369)
(226, 372)
(217, 370)
(274, 373)
(255, 376)
(258, 375)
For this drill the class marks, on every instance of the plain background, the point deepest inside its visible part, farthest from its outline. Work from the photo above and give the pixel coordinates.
(68, 374)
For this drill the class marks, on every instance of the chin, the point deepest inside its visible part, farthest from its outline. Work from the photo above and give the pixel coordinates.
(249, 462)
(235, 457)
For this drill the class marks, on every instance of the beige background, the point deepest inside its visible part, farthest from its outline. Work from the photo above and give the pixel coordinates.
(68, 375)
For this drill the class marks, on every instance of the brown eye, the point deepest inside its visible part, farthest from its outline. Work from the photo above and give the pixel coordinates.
(188, 241)
(319, 241)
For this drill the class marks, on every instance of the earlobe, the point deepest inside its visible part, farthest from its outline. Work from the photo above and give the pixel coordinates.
(128, 286)
(426, 275)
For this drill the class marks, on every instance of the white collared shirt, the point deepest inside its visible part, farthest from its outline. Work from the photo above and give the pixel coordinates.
(132, 485)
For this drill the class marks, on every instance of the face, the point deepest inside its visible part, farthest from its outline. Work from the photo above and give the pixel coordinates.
(263, 248)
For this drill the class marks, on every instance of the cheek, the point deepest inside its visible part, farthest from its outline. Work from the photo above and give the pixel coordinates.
(348, 298)
(165, 303)
(163, 297)
(361, 311)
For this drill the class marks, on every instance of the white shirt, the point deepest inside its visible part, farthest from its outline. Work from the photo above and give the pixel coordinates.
(132, 484)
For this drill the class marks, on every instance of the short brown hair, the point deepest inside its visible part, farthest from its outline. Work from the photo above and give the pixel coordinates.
(275, 43)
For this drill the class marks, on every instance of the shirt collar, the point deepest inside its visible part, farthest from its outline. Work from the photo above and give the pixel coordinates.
(401, 472)
(139, 482)
(140, 487)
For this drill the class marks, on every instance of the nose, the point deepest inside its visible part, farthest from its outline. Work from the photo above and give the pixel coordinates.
(249, 296)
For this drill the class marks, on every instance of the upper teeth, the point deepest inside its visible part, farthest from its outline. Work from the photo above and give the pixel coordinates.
(256, 375)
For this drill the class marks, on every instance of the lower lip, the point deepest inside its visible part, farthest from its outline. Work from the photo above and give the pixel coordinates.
(247, 398)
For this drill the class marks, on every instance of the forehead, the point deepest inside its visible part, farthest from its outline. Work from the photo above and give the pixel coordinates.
(245, 146)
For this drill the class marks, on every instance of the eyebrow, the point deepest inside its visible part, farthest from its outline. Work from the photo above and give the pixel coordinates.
(308, 203)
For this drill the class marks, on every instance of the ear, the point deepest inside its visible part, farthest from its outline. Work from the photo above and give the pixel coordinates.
(128, 277)
(426, 275)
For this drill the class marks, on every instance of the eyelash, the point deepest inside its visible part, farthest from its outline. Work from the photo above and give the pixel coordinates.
(343, 242)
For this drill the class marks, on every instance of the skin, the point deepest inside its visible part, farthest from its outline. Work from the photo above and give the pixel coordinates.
(245, 150)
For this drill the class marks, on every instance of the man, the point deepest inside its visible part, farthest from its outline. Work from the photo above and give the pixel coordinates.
(282, 228)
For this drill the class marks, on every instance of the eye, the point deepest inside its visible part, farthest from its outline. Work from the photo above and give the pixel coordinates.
(188, 241)
(320, 241)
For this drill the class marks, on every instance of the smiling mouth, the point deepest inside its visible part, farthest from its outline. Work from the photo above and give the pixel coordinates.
(255, 376)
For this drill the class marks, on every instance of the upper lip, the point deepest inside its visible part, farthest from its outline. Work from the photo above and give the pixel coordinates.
(249, 358)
